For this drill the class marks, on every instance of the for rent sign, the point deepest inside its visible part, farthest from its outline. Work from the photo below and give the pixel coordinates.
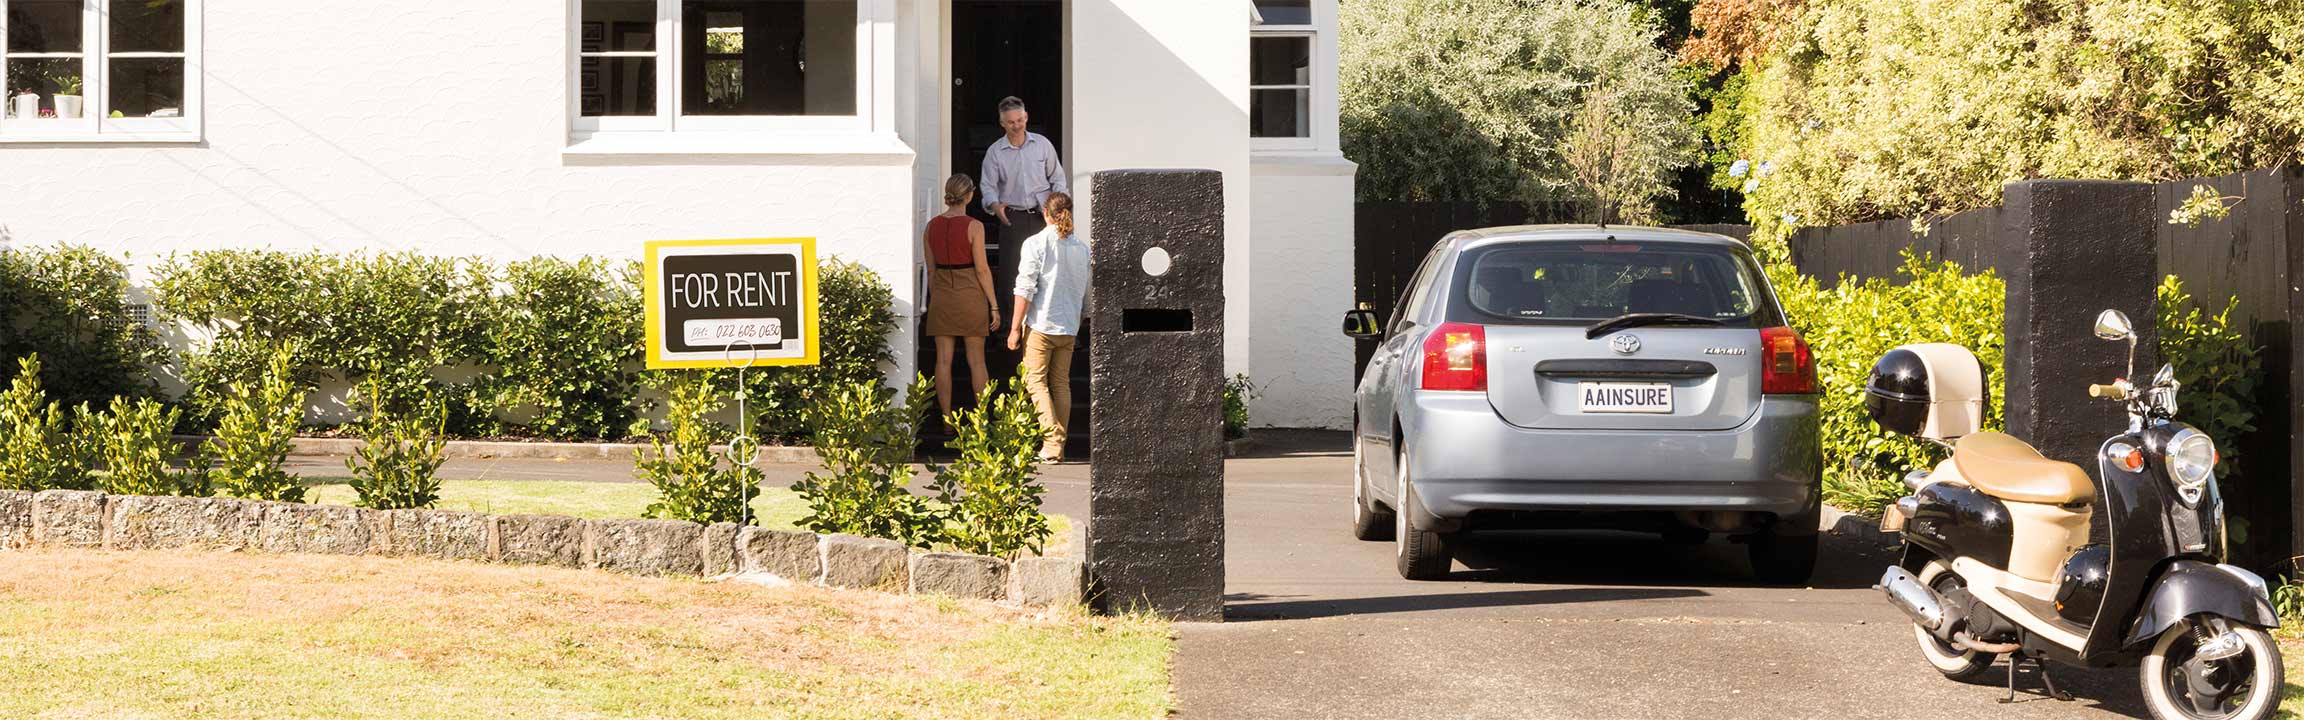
(728, 303)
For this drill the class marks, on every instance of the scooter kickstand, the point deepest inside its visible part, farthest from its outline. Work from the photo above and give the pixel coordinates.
(2060, 695)
(2013, 660)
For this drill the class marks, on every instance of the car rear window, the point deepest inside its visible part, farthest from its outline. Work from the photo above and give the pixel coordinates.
(1583, 282)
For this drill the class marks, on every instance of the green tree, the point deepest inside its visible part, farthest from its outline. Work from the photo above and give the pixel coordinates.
(1867, 109)
(1482, 100)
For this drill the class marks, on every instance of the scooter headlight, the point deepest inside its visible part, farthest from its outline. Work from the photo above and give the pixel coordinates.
(2192, 462)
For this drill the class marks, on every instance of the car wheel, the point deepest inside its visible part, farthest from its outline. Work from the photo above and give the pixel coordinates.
(1423, 554)
(1368, 523)
(1783, 559)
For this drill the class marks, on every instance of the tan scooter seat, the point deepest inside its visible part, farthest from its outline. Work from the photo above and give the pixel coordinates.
(2004, 467)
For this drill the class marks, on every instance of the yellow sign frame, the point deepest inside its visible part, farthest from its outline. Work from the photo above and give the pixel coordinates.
(652, 305)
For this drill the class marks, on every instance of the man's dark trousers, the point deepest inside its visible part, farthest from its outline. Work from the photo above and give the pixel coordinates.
(1022, 226)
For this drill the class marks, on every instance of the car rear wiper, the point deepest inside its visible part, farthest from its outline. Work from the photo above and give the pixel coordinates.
(1640, 319)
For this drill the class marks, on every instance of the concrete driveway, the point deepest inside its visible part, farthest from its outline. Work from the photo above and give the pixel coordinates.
(1533, 626)
(1555, 626)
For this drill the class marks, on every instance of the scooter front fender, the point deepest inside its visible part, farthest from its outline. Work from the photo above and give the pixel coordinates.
(2190, 587)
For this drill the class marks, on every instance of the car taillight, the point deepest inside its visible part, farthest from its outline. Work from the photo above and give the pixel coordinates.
(1456, 358)
(1786, 367)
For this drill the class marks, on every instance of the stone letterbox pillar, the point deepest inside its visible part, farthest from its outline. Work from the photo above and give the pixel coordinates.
(1156, 485)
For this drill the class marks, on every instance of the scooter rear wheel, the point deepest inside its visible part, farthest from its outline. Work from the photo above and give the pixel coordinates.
(2178, 686)
(1954, 662)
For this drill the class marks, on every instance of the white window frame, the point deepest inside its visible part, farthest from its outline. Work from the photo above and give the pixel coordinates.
(1310, 31)
(95, 124)
(671, 115)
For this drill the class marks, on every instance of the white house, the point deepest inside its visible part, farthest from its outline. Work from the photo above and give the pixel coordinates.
(521, 127)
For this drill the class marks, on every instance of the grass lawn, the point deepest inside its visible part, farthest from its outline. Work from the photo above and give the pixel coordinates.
(2292, 660)
(776, 508)
(233, 635)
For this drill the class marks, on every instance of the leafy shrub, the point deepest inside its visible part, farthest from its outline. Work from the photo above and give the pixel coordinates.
(36, 450)
(1853, 103)
(1483, 99)
(1851, 325)
(257, 420)
(389, 318)
(991, 503)
(1238, 392)
(694, 483)
(398, 463)
(2220, 371)
(866, 443)
(565, 341)
(134, 439)
(854, 304)
(70, 305)
(2288, 599)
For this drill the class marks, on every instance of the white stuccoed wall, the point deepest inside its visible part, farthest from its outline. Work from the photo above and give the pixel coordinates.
(1299, 357)
(1165, 85)
(436, 127)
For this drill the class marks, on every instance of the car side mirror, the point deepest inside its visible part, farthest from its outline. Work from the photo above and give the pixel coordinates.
(1362, 324)
(2113, 325)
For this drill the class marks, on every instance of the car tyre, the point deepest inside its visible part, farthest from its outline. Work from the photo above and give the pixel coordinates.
(1368, 523)
(1423, 554)
(1783, 559)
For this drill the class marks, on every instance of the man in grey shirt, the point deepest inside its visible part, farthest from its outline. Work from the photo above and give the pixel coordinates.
(1020, 169)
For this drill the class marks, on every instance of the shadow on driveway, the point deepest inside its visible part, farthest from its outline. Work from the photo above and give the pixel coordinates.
(1237, 611)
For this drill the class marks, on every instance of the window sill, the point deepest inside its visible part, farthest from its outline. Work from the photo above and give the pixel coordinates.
(642, 148)
(151, 138)
(1310, 163)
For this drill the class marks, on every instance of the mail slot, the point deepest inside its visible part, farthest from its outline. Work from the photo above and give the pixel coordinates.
(1155, 320)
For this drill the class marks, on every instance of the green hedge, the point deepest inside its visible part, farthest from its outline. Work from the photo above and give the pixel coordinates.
(70, 305)
(1852, 324)
(555, 342)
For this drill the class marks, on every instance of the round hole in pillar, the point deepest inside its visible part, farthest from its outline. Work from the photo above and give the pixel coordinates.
(1156, 261)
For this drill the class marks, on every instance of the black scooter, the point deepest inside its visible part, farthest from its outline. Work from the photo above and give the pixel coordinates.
(1998, 561)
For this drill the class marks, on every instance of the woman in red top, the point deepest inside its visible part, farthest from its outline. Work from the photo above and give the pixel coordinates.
(959, 290)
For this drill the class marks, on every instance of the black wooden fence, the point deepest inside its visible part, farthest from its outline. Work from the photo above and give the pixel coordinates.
(2256, 255)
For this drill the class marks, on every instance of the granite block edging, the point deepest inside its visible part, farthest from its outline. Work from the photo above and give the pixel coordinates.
(83, 519)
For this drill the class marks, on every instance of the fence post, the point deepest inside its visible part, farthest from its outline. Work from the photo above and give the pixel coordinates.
(2292, 221)
(2072, 249)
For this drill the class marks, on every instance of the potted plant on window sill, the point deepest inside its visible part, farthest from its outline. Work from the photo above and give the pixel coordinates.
(67, 96)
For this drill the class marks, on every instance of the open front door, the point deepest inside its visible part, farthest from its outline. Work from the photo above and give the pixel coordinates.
(1003, 48)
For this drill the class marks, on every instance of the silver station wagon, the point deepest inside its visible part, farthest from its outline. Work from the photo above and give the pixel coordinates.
(1580, 376)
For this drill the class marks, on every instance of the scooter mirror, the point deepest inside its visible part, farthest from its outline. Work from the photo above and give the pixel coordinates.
(2113, 325)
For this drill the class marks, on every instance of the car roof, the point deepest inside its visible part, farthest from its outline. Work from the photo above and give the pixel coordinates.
(1467, 239)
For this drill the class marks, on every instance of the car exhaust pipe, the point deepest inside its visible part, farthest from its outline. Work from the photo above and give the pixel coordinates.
(1916, 600)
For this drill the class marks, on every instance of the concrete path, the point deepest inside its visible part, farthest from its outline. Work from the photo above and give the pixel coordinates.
(1554, 626)
(1543, 626)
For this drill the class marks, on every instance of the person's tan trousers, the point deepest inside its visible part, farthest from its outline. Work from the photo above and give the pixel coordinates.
(1048, 376)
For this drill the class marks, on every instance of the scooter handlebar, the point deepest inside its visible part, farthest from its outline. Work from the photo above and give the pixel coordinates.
(2108, 392)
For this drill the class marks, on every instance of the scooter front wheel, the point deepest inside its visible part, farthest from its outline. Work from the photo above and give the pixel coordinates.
(2178, 685)
(1954, 662)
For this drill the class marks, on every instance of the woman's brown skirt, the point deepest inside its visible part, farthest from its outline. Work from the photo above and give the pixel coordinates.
(956, 304)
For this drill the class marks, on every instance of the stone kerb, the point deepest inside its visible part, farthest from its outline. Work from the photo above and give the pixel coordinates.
(645, 547)
(960, 575)
(15, 519)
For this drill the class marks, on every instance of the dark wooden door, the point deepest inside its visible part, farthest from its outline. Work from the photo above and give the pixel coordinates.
(1003, 48)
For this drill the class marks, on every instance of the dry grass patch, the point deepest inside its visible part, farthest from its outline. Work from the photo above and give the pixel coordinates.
(225, 635)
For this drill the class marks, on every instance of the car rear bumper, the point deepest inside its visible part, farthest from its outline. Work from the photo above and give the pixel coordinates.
(1466, 458)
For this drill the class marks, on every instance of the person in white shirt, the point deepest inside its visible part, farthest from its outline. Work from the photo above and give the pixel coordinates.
(1020, 169)
(1051, 290)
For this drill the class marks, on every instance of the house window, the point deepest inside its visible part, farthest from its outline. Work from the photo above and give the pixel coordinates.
(1280, 86)
(1280, 48)
(663, 65)
(99, 70)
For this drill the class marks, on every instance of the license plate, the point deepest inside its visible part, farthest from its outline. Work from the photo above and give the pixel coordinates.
(1623, 397)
